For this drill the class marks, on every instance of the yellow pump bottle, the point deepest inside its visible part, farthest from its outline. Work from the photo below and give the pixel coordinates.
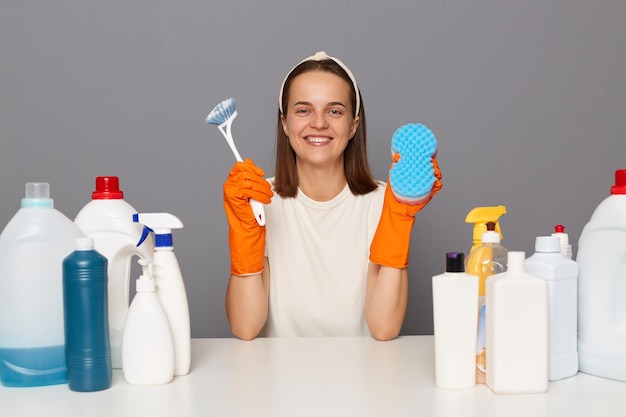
(475, 263)
(486, 257)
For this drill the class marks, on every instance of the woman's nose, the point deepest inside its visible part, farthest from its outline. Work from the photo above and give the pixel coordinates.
(319, 120)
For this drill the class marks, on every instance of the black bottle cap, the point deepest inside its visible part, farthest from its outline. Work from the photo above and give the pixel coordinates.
(455, 262)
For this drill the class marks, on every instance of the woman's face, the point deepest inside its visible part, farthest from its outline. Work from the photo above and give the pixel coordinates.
(319, 118)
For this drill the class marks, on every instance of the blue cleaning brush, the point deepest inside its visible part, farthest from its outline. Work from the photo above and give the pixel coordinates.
(412, 176)
(223, 115)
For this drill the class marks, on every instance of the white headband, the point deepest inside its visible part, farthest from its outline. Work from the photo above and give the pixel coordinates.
(321, 56)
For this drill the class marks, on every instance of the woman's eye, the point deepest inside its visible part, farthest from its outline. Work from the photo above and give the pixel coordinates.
(336, 112)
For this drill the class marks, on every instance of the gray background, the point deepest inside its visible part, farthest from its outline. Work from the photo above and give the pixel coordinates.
(527, 99)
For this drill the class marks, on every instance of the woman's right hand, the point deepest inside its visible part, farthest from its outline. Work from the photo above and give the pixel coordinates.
(246, 238)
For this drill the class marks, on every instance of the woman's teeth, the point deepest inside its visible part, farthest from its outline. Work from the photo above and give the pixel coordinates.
(316, 139)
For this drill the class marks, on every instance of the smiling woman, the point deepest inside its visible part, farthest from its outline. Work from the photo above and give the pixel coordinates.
(319, 125)
(356, 165)
(332, 257)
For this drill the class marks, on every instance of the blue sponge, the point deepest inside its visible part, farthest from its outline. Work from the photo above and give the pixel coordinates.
(412, 176)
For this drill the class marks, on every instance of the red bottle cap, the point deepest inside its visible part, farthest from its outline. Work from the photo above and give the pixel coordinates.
(559, 228)
(107, 188)
(620, 182)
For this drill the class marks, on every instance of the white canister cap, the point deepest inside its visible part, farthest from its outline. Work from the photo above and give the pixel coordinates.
(84, 243)
(547, 244)
(516, 261)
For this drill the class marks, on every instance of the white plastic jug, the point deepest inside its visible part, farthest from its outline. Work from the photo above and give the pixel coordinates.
(32, 248)
(108, 220)
(602, 287)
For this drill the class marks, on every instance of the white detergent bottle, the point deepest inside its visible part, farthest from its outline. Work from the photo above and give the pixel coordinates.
(147, 345)
(517, 330)
(601, 261)
(170, 286)
(455, 302)
(32, 248)
(561, 275)
(107, 219)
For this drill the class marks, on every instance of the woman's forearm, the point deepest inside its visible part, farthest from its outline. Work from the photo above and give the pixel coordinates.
(247, 304)
(386, 300)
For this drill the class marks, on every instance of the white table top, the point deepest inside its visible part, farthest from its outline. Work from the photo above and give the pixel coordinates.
(314, 377)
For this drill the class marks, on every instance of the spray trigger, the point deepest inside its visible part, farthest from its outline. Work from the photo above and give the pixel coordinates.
(144, 234)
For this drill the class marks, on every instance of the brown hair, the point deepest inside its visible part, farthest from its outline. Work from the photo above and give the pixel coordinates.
(356, 165)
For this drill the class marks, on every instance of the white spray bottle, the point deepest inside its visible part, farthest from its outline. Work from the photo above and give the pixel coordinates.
(107, 219)
(170, 286)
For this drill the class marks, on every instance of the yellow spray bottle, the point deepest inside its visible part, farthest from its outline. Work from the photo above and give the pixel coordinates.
(480, 216)
(478, 263)
(487, 257)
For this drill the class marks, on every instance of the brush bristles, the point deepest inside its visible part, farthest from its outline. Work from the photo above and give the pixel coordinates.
(222, 112)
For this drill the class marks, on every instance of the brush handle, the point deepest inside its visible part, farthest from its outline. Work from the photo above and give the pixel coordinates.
(258, 210)
(257, 206)
(225, 128)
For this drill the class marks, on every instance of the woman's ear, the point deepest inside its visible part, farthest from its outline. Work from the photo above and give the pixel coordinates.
(284, 125)
(355, 126)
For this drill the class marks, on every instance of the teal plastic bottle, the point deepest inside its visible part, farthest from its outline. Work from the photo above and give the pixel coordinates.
(87, 348)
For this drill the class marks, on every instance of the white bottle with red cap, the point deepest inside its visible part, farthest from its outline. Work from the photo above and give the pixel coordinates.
(601, 261)
(108, 220)
(561, 275)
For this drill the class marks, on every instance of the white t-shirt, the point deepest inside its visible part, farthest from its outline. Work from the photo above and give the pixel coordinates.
(318, 256)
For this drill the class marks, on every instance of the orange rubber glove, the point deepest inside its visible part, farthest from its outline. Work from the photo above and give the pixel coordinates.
(245, 237)
(390, 246)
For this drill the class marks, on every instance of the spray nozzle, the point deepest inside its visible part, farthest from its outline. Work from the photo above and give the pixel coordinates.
(161, 224)
(491, 236)
(145, 282)
(480, 217)
(146, 268)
